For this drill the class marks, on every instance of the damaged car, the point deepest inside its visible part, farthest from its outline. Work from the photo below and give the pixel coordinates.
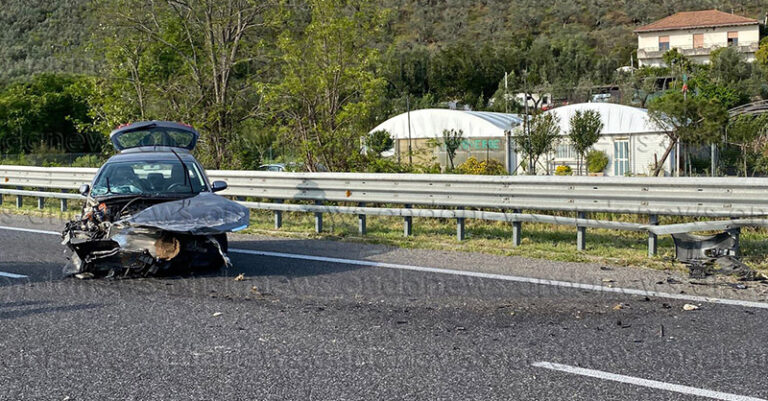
(152, 208)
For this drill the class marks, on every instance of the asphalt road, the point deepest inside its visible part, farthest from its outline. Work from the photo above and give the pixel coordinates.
(303, 329)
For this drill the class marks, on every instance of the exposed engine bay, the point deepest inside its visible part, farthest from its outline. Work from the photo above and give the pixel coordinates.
(145, 235)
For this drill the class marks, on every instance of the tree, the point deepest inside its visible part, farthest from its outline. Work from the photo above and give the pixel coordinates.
(328, 88)
(749, 133)
(49, 112)
(194, 61)
(585, 132)
(690, 119)
(676, 61)
(379, 142)
(761, 55)
(541, 138)
(452, 140)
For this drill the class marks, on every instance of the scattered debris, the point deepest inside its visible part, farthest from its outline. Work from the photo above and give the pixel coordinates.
(618, 307)
(690, 307)
(606, 268)
(737, 286)
(709, 255)
(217, 314)
(240, 277)
(84, 276)
(609, 280)
(672, 280)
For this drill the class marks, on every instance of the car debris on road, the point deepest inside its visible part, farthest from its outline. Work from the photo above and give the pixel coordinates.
(151, 207)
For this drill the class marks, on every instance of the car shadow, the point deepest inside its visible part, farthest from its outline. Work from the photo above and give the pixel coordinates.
(274, 265)
(34, 272)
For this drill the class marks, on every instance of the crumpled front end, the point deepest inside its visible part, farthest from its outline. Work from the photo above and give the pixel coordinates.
(143, 236)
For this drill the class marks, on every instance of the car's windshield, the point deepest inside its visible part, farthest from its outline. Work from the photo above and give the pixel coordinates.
(148, 178)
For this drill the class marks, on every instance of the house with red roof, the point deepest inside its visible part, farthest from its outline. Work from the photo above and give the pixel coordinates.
(696, 34)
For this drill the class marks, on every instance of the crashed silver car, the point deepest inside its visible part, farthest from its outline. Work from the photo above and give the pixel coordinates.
(152, 208)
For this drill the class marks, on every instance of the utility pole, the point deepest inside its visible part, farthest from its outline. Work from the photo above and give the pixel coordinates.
(410, 149)
(506, 97)
(685, 105)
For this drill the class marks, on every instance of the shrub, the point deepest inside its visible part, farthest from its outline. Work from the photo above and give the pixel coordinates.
(92, 160)
(563, 170)
(485, 167)
(597, 161)
(379, 142)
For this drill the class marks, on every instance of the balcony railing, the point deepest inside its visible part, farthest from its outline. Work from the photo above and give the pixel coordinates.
(689, 51)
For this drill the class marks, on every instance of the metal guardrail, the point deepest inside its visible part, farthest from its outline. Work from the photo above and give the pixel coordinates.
(445, 196)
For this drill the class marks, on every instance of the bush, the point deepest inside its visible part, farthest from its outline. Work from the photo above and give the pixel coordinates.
(93, 160)
(485, 167)
(563, 170)
(386, 166)
(597, 161)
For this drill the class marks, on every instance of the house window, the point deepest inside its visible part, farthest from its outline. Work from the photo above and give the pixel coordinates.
(620, 158)
(663, 43)
(698, 40)
(565, 151)
(733, 38)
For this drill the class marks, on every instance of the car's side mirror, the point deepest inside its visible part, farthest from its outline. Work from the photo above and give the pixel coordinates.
(217, 186)
(84, 189)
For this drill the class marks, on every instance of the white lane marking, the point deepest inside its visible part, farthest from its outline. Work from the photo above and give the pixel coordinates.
(29, 230)
(677, 388)
(12, 275)
(504, 277)
(492, 276)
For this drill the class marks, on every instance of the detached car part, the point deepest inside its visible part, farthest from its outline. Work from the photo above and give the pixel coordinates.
(707, 255)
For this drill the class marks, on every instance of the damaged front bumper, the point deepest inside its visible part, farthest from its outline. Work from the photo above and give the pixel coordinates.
(187, 234)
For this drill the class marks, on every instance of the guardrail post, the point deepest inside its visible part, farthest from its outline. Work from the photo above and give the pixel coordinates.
(40, 200)
(408, 223)
(460, 227)
(63, 202)
(361, 221)
(652, 238)
(318, 219)
(736, 233)
(19, 199)
(278, 216)
(517, 230)
(581, 234)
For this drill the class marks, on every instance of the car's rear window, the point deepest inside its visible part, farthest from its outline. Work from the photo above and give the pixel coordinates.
(156, 136)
